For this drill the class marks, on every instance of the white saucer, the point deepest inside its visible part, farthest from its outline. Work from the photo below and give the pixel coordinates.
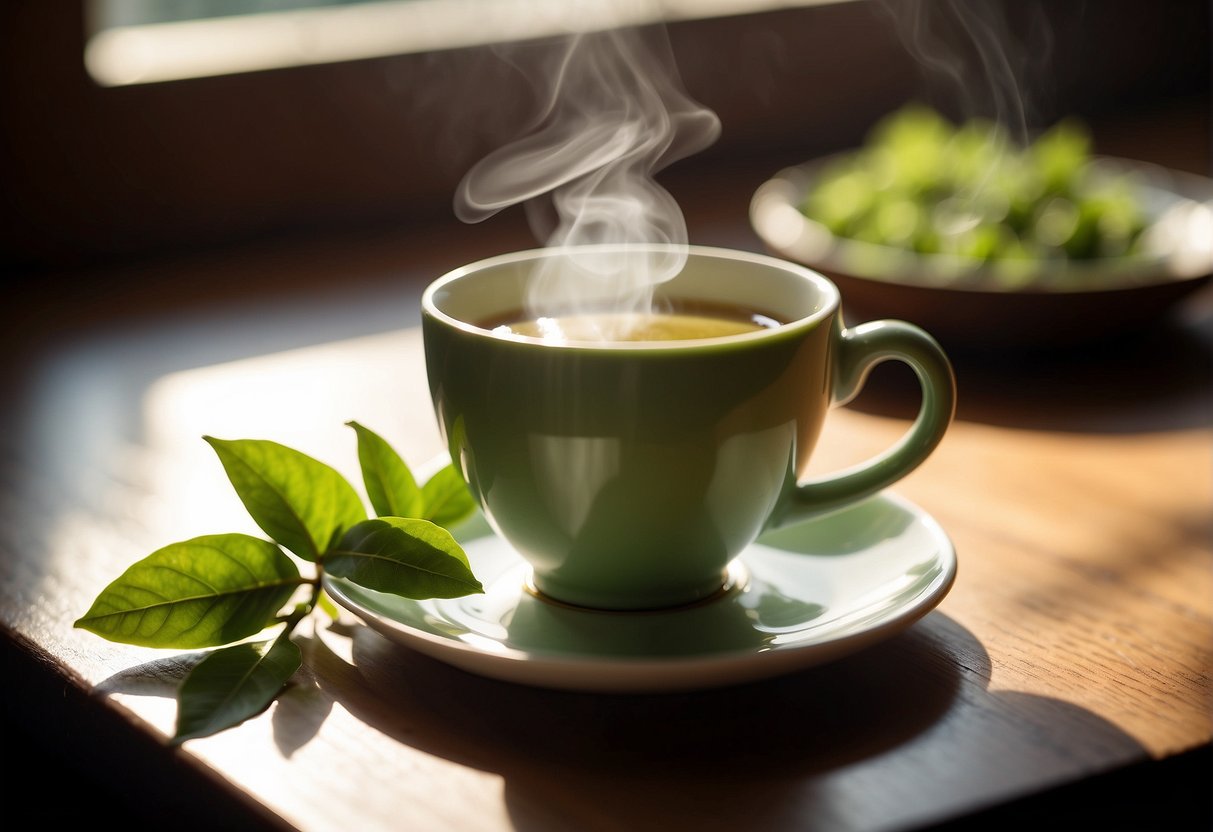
(802, 595)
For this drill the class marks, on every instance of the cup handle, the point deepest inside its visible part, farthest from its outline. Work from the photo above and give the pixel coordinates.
(859, 349)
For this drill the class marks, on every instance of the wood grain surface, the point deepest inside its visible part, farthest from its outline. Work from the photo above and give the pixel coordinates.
(1076, 639)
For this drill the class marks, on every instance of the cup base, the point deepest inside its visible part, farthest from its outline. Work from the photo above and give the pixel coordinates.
(734, 579)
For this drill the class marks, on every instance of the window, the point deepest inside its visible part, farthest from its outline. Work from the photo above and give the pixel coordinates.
(143, 41)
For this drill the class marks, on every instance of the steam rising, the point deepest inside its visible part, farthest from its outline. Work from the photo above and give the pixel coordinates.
(946, 36)
(614, 113)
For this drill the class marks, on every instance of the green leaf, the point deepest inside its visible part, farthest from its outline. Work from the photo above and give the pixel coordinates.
(232, 684)
(203, 592)
(303, 504)
(408, 557)
(389, 482)
(446, 499)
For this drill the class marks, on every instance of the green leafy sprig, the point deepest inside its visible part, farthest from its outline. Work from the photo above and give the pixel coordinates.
(219, 591)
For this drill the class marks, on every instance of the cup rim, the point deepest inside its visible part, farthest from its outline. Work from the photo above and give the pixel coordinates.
(825, 287)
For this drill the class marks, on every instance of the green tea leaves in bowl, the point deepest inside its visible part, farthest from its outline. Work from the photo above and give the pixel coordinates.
(991, 243)
(970, 196)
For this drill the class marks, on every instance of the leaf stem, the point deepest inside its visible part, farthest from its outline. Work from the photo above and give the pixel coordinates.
(302, 609)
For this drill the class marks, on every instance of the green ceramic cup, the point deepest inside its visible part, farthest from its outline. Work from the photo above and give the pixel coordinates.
(630, 474)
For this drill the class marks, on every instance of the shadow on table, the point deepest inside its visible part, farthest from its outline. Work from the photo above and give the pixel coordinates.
(1153, 380)
(766, 751)
(302, 707)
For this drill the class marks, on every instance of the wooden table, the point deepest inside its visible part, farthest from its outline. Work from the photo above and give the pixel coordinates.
(1077, 640)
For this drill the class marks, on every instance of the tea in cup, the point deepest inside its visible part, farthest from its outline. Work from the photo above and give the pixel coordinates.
(630, 457)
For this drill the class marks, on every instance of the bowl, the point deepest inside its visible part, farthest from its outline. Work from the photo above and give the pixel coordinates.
(964, 302)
